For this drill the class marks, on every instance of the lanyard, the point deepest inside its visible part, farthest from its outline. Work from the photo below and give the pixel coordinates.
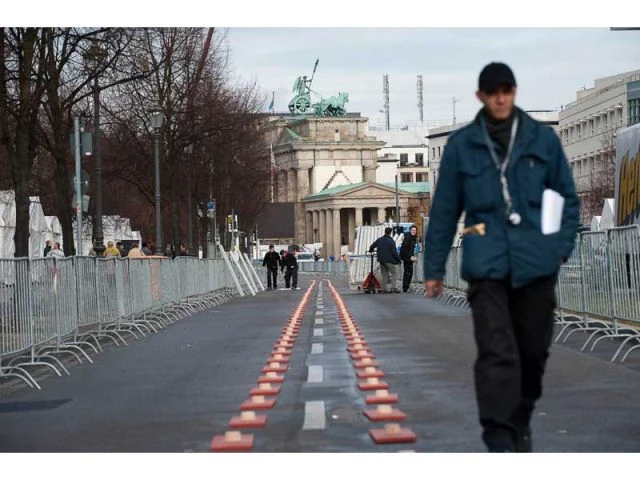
(502, 169)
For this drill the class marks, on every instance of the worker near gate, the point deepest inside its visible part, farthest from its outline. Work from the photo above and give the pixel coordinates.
(388, 258)
(271, 262)
(495, 170)
(408, 256)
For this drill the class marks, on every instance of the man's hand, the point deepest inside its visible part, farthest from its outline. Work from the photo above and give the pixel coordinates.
(413, 259)
(433, 287)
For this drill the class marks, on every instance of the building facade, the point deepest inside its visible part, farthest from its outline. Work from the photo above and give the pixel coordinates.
(405, 153)
(439, 136)
(326, 167)
(588, 128)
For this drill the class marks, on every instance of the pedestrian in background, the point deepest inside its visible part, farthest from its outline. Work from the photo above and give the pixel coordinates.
(145, 249)
(495, 170)
(47, 248)
(388, 257)
(408, 256)
(291, 270)
(272, 262)
(111, 251)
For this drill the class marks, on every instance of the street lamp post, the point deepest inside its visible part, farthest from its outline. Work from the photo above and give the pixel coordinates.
(93, 60)
(157, 117)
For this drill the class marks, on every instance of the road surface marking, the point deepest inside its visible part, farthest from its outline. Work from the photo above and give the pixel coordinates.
(314, 416)
(318, 332)
(316, 374)
(317, 348)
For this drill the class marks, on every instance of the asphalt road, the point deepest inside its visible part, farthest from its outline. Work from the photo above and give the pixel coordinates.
(176, 390)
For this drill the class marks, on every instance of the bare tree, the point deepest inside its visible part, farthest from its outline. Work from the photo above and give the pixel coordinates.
(601, 178)
(22, 84)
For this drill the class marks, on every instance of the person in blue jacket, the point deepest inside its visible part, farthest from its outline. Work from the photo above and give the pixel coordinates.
(495, 170)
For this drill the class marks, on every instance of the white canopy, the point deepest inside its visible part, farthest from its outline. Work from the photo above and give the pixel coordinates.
(607, 219)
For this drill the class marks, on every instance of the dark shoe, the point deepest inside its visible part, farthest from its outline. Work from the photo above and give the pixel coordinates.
(523, 442)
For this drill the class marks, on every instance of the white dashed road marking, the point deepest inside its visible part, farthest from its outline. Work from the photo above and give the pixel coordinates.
(317, 348)
(314, 415)
(316, 374)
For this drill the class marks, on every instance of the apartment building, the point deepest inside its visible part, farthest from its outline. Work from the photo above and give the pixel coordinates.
(588, 129)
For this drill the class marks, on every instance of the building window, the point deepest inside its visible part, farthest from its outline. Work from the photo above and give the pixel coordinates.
(420, 159)
(592, 128)
(633, 112)
(433, 152)
(605, 119)
(406, 177)
(422, 177)
(578, 131)
(404, 159)
(438, 152)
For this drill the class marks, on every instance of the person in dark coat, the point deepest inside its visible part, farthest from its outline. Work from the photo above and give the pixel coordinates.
(408, 256)
(271, 262)
(495, 170)
(291, 270)
(388, 258)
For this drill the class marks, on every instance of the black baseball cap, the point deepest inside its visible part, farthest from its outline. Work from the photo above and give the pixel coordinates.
(494, 75)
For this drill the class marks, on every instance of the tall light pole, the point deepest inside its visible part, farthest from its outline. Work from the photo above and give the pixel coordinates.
(94, 58)
(156, 116)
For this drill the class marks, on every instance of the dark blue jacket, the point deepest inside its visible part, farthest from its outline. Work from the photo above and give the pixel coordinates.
(469, 182)
(387, 250)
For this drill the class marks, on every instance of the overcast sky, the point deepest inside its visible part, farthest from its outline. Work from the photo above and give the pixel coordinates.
(440, 40)
(550, 64)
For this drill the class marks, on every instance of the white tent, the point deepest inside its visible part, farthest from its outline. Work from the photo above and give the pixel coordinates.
(54, 231)
(8, 214)
(607, 219)
(38, 228)
(595, 223)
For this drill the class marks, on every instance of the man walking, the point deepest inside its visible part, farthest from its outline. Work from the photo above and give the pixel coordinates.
(272, 261)
(495, 170)
(408, 256)
(291, 270)
(388, 258)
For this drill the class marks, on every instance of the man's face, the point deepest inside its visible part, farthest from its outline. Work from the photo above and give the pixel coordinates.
(499, 103)
(414, 231)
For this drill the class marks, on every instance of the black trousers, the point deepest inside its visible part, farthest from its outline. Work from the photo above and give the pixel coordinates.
(513, 329)
(291, 277)
(272, 273)
(407, 275)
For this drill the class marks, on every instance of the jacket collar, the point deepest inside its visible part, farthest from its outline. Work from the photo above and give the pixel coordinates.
(526, 130)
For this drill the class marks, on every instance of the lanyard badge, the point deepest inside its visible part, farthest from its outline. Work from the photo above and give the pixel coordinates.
(513, 216)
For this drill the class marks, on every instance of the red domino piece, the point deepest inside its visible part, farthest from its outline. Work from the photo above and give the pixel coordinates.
(232, 442)
(373, 384)
(392, 433)
(366, 362)
(286, 353)
(362, 354)
(262, 389)
(385, 412)
(381, 397)
(275, 378)
(257, 402)
(370, 372)
(248, 419)
(272, 368)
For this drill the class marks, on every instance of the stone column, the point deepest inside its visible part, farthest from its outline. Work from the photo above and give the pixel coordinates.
(351, 222)
(301, 190)
(337, 239)
(381, 214)
(329, 228)
(316, 225)
(291, 185)
(282, 186)
(322, 225)
(358, 217)
(308, 227)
